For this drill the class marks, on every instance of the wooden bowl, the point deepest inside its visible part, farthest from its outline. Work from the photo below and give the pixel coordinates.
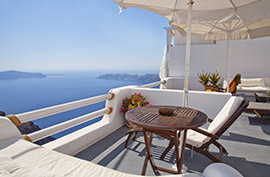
(165, 111)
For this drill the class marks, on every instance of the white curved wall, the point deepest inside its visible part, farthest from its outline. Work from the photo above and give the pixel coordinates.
(78, 140)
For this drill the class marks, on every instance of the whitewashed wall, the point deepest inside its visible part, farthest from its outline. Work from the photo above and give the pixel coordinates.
(250, 58)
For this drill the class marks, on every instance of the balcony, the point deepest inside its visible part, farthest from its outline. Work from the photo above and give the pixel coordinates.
(247, 141)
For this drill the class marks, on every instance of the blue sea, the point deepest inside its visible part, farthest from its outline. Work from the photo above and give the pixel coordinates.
(22, 95)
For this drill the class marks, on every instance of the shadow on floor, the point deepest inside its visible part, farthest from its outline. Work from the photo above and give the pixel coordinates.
(101, 146)
(255, 121)
(246, 139)
(111, 149)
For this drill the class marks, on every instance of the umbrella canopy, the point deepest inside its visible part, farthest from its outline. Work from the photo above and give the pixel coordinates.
(204, 11)
(213, 12)
(234, 29)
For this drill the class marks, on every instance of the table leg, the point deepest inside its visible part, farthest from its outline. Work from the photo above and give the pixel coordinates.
(260, 116)
(182, 148)
(148, 155)
(176, 149)
(144, 164)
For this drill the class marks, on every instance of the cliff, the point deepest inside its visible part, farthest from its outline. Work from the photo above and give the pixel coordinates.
(142, 78)
(5, 75)
(30, 127)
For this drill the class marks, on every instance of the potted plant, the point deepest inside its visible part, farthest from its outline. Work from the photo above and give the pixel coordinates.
(213, 79)
(204, 78)
(136, 100)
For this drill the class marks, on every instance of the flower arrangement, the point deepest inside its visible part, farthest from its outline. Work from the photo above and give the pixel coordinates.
(136, 100)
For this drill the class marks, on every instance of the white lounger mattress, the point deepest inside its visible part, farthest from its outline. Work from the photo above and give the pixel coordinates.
(254, 89)
(21, 158)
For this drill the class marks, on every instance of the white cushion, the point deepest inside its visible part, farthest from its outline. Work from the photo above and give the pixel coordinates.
(27, 160)
(3, 170)
(32, 157)
(196, 139)
(252, 82)
(220, 170)
(9, 167)
(226, 112)
(254, 89)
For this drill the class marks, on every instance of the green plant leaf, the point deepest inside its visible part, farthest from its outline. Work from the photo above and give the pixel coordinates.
(204, 78)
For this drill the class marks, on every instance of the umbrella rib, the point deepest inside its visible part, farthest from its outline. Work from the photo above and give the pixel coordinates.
(237, 26)
(226, 28)
(234, 6)
(216, 27)
(174, 11)
(240, 26)
(243, 24)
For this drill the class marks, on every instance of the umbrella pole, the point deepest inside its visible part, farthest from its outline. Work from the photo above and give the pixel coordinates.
(228, 58)
(185, 100)
(168, 44)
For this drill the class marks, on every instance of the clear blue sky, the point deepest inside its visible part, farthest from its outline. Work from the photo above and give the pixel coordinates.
(43, 35)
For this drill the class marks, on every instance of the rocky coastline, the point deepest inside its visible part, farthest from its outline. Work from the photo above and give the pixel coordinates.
(141, 78)
(29, 127)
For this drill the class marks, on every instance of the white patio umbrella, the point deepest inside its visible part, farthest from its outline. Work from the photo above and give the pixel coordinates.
(204, 12)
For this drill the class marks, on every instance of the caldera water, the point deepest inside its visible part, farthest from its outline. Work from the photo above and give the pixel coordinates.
(22, 95)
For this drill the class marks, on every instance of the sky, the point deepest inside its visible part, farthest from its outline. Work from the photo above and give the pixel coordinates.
(55, 35)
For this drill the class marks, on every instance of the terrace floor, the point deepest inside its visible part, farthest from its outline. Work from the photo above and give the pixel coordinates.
(247, 141)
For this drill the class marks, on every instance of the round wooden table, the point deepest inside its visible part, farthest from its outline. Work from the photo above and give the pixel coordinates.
(151, 121)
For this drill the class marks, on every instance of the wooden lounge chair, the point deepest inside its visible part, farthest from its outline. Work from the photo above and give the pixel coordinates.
(200, 139)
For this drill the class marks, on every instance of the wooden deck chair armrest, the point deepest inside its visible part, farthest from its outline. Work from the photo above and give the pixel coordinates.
(205, 133)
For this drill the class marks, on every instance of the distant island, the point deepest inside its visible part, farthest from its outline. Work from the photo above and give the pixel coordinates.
(5, 75)
(143, 78)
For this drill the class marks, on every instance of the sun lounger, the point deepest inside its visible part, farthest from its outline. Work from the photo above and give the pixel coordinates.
(200, 139)
(253, 85)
